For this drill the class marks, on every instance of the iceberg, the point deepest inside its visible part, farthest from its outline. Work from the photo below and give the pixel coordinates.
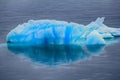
(36, 32)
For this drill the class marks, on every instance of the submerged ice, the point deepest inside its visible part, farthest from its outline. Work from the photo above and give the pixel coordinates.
(55, 54)
(60, 32)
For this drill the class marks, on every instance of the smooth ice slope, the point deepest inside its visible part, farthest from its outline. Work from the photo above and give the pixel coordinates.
(37, 32)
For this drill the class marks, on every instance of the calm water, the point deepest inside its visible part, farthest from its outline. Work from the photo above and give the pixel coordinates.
(62, 64)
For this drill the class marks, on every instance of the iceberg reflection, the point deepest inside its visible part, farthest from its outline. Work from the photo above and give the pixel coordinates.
(55, 54)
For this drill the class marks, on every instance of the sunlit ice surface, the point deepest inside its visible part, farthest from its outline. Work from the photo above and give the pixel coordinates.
(36, 32)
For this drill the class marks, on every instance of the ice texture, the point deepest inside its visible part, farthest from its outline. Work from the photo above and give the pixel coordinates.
(37, 32)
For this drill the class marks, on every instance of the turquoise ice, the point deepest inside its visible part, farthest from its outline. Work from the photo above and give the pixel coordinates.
(55, 54)
(37, 32)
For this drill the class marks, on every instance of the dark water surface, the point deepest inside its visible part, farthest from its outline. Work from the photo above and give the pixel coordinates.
(80, 66)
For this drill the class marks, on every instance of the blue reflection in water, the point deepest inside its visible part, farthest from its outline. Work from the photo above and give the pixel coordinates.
(55, 54)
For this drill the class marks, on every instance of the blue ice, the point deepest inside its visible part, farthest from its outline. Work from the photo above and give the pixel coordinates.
(37, 32)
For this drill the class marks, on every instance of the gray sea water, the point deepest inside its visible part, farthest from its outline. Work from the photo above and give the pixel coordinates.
(73, 64)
